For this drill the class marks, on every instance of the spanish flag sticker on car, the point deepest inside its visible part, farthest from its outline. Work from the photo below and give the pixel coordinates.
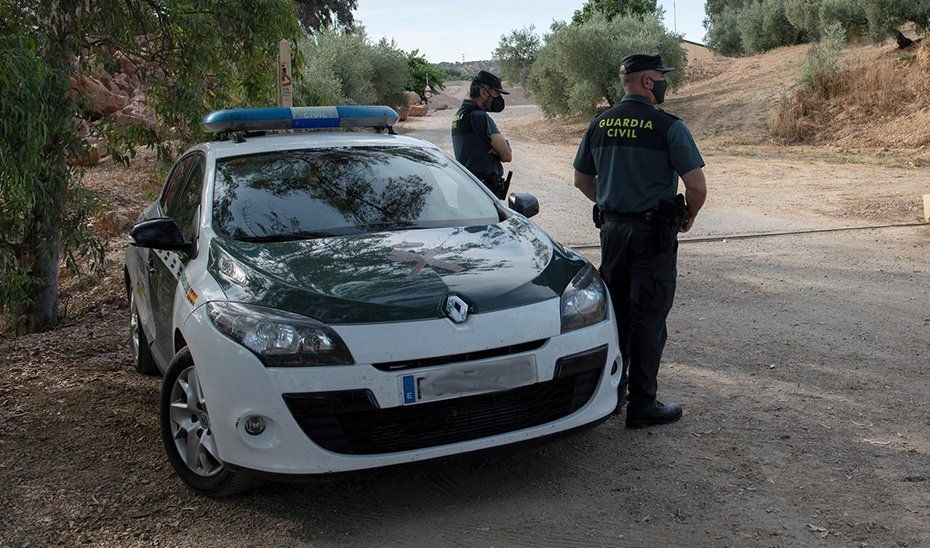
(191, 295)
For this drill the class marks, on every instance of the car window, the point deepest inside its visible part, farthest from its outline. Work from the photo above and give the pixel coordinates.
(175, 182)
(343, 191)
(184, 210)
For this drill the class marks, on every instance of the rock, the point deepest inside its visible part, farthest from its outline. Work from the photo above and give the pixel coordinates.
(97, 99)
(442, 106)
(402, 113)
(413, 98)
(418, 110)
(89, 159)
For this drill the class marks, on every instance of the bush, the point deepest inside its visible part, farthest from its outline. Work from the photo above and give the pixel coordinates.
(820, 65)
(579, 66)
(346, 68)
(723, 32)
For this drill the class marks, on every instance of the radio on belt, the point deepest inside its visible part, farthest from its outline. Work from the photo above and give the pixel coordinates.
(277, 118)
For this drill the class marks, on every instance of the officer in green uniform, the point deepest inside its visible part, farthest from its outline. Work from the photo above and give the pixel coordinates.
(628, 163)
(477, 142)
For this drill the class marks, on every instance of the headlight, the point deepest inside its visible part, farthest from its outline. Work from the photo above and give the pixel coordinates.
(278, 338)
(584, 301)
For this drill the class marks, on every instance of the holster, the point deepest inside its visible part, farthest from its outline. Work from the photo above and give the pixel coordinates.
(597, 216)
(667, 221)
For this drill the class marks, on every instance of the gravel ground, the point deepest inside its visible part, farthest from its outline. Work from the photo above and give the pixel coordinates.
(801, 362)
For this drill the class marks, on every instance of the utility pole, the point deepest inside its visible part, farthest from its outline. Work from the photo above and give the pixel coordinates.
(675, 15)
(284, 81)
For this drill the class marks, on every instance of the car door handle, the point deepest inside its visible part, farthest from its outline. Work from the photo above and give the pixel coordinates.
(151, 266)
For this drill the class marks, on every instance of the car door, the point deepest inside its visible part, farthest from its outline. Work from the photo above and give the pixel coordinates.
(146, 269)
(184, 207)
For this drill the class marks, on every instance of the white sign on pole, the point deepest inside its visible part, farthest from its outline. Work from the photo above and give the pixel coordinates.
(285, 89)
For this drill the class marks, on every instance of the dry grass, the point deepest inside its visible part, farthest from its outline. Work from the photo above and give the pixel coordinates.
(878, 104)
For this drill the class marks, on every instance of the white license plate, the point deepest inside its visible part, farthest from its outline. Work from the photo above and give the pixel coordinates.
(465, 380)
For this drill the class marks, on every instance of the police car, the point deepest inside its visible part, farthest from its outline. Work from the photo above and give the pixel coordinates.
(330, 301)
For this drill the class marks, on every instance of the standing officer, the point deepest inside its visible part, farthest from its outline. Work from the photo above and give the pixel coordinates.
(477, 142)
(628, 163)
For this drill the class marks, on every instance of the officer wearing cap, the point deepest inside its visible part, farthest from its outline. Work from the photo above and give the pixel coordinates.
(628, 163)
(477, 142)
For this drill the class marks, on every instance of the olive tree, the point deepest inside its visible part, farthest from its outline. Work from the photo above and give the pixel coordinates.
(579, 66)
(516, 52)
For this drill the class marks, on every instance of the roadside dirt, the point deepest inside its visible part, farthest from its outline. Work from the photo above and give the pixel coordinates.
(801, 362)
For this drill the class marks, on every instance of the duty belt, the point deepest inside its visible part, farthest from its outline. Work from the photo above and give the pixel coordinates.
(612, 217)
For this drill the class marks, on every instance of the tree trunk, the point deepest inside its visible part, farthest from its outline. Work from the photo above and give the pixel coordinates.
(44, 247)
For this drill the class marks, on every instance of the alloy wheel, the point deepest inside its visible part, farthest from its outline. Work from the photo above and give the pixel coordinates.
(190, 426)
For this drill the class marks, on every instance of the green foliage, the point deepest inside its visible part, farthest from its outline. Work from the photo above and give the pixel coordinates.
(516, 54)
(195, 55)
(763, 26)
(849, 14)
(804, 15)
(613, 8)
(316, 14)
(821, 63)
(423, 72)
(580, 64)
(341, 68)
(885, 16)
(723, 35)
(38, 135)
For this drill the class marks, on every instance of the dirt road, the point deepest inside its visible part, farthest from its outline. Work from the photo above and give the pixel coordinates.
(802, 363)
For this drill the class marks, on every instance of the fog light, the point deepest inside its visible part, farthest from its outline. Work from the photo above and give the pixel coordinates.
(254, 425)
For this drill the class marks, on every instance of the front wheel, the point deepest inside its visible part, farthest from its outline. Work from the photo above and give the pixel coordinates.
(188, 439)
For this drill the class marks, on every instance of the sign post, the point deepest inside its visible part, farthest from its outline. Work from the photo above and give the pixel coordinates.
(285, 90)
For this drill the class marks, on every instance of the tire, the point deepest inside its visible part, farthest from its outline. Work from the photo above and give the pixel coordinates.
(142, 359)
(209, 476)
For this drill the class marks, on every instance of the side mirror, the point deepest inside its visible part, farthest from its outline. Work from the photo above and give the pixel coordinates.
(523, 203)
(161, 233)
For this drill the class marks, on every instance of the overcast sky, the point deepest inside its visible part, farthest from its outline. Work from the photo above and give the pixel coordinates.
(445, 30)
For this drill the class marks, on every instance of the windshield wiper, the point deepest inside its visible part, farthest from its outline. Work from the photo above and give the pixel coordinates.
(294, 236)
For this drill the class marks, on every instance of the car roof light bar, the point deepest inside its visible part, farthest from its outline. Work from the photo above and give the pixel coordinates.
(272, 118)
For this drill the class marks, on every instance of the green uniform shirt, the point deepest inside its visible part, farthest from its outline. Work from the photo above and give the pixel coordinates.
(471, 140)
(637, 152)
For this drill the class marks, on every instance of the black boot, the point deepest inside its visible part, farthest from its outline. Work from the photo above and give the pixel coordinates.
(643, 414)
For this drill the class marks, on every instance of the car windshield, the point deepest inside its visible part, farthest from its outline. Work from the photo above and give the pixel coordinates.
(298, 194)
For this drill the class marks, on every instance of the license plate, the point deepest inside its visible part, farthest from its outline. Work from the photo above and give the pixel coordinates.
(466, 380)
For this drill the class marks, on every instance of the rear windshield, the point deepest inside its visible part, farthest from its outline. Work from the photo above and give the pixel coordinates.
(341, 191)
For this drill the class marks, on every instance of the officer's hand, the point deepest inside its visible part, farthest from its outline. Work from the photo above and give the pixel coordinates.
(687, 227)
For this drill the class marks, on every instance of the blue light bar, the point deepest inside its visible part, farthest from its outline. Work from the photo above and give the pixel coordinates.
(264, 119)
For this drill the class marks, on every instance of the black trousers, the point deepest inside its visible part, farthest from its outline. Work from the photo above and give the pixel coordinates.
(641, 282)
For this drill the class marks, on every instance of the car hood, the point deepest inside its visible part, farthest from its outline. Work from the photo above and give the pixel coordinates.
(397, 276)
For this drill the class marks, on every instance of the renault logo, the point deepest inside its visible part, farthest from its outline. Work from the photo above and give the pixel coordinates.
(456, 309)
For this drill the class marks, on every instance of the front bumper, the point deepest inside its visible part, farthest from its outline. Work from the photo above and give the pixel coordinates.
(383, 431)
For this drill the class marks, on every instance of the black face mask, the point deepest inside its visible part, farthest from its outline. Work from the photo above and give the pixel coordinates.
(658, 89)
(496, 104)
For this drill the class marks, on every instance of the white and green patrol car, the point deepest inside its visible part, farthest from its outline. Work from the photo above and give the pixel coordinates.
(322, 302)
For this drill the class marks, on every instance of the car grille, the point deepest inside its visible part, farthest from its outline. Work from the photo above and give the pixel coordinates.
(350, 421)
(459, 358)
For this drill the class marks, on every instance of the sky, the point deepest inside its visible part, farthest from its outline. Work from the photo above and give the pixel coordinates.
(447, 30)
